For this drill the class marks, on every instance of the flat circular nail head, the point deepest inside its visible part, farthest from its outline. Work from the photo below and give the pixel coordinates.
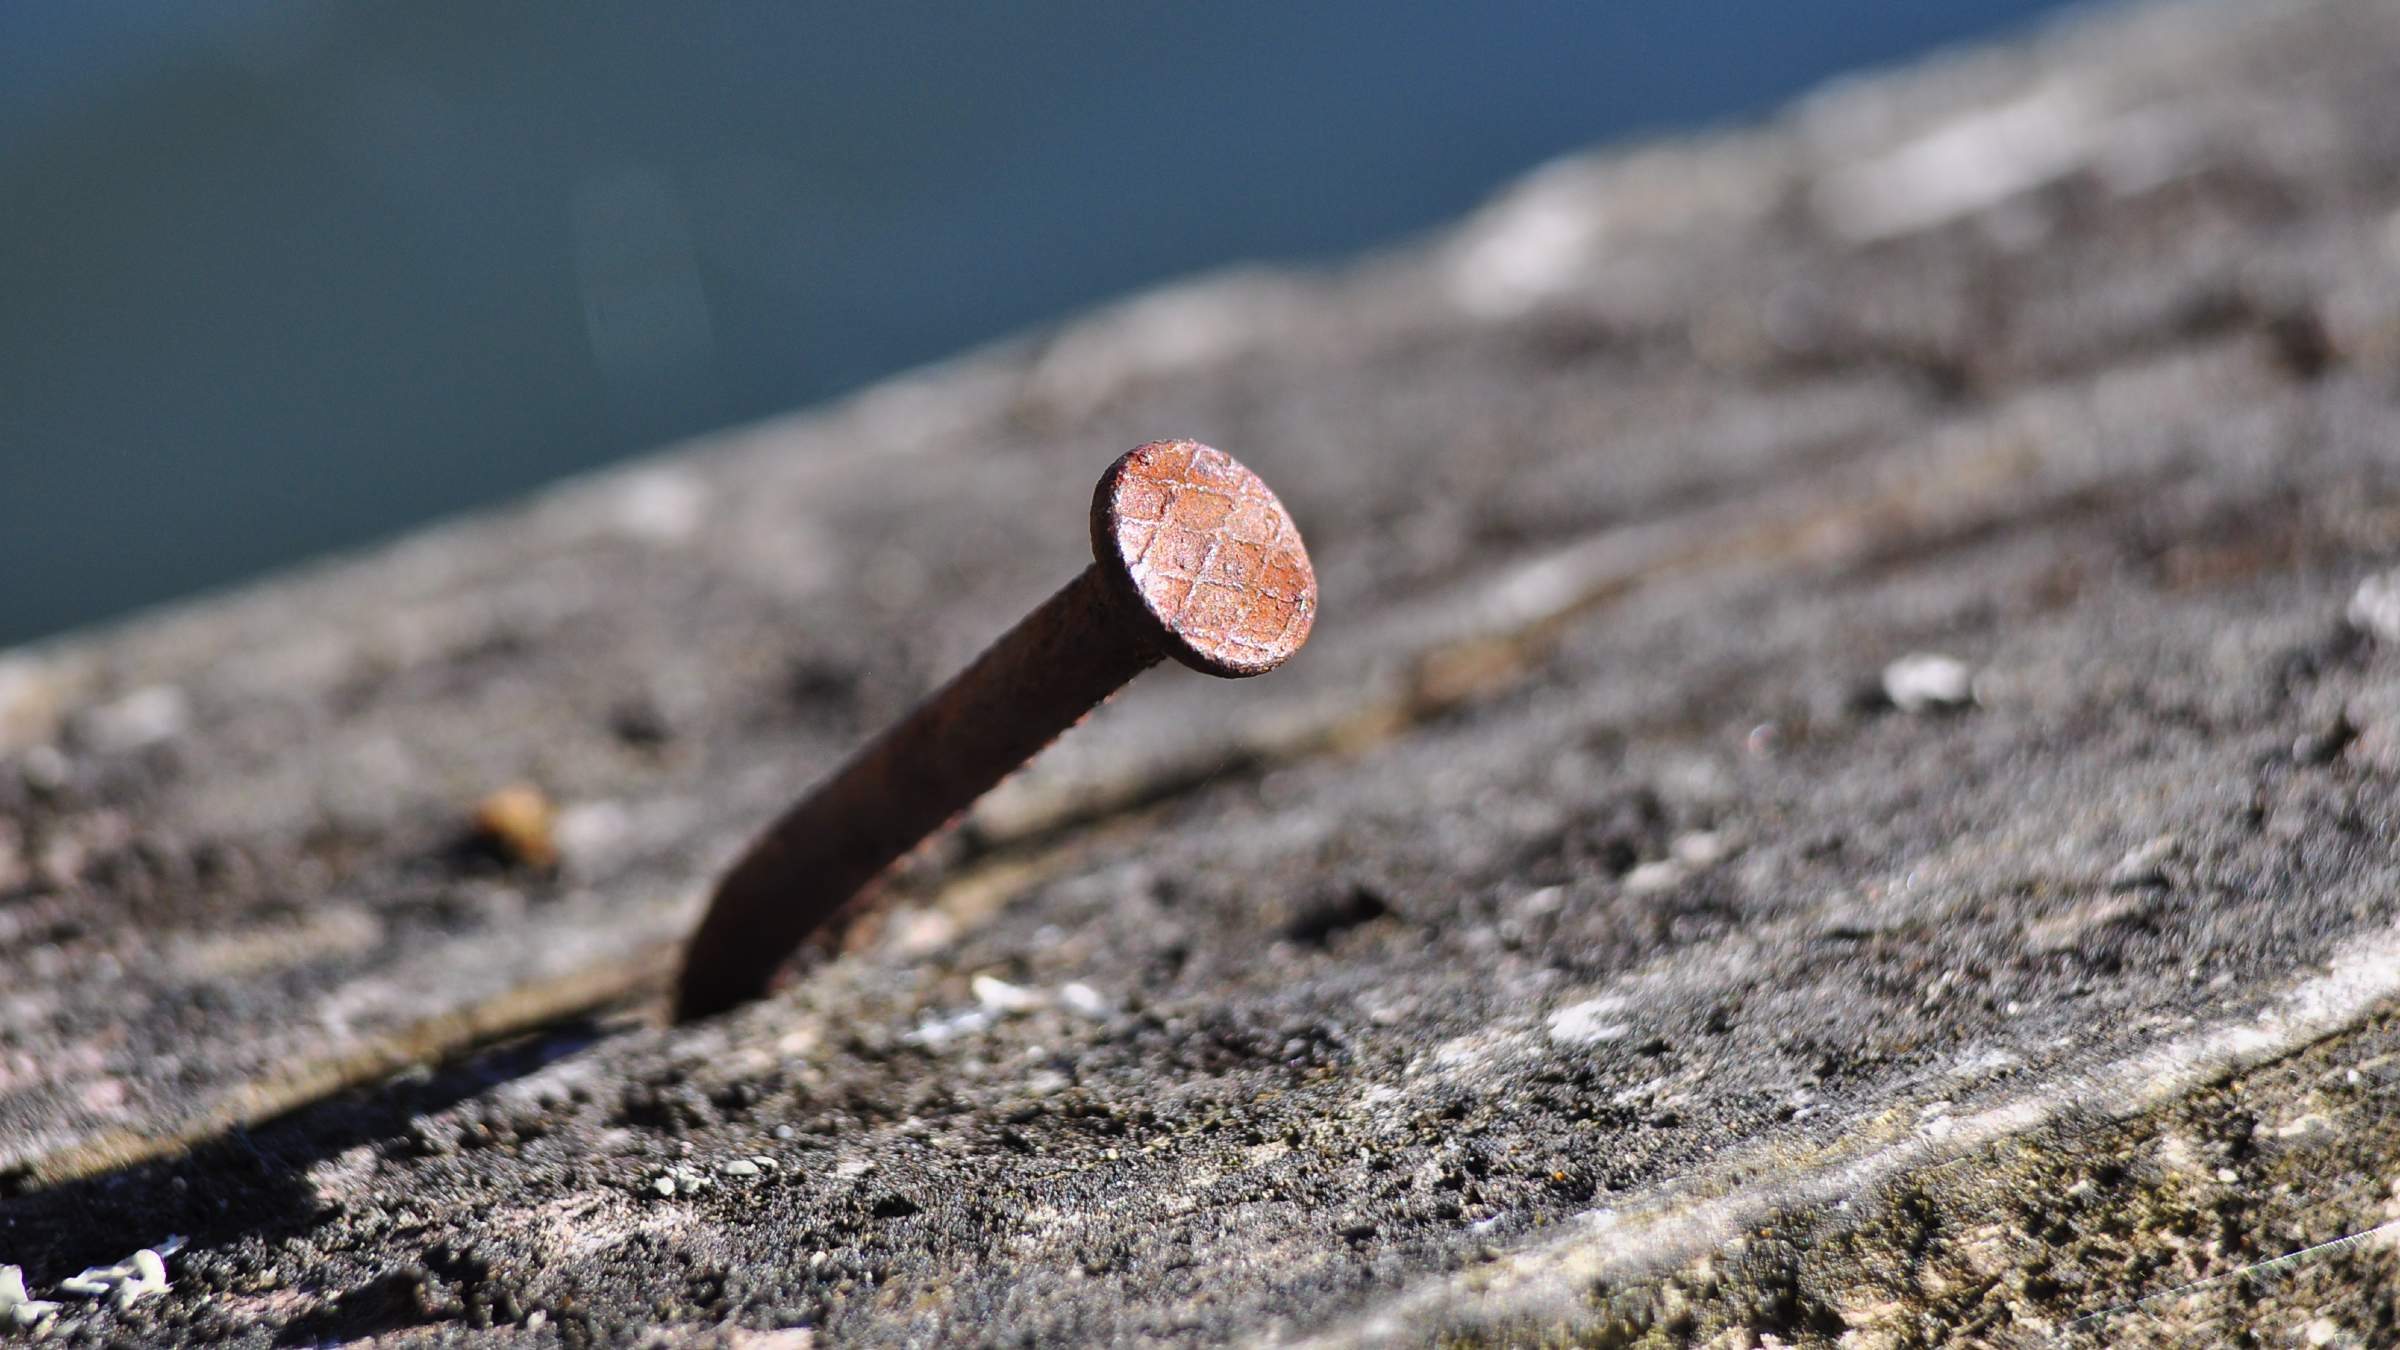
(1204, 550)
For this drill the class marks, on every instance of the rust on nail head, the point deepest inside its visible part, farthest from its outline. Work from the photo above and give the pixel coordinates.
(1202, 548)
(1193, 558)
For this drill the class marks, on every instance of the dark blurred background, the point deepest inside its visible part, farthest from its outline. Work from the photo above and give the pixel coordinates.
(282, 277)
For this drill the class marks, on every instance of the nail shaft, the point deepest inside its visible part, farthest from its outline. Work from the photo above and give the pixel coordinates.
(1194, 559)
(797, 884)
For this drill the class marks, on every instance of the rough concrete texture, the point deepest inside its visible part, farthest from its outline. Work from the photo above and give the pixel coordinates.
(1844, 793)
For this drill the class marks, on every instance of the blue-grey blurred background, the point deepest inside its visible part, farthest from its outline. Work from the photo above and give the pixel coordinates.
(281, 277)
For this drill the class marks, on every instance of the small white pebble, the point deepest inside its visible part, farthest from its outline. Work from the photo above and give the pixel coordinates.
(1547, 900)
(592, 835)
(1652, 877)
(2375, 606)
(664, 1186)
(1084, 1001)
(739, 1167)
(16, 1306)
(939, 1031)
(1699, 848)
(126, 1283)
(762, 1160)
(1922, 681)
(1002, 997)
(536, 1320)
(661, 506)
(1589, 1022)
(2228, 1175)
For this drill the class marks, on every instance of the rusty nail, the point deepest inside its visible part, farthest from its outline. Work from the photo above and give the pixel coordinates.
(1193, 558)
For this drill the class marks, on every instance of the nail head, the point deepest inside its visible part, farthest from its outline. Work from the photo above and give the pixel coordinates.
(1206, 552)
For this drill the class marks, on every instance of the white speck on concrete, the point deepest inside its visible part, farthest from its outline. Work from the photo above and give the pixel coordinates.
(146, 716)
(1979, 160)
(2375, 607)
(1477, 1054)
(999, 996)
(1547, 900)
(994, 1000)
(1700, 848)
(1922, 681)
(126, 1283)
(1639, 1094)
(1590, 1022)
(681, 1180)
(1084, 1001)
(940, 1031)
(1652, 877)
(18, 1308)
(593, 836)
(1984, 1061)
(661, 506)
